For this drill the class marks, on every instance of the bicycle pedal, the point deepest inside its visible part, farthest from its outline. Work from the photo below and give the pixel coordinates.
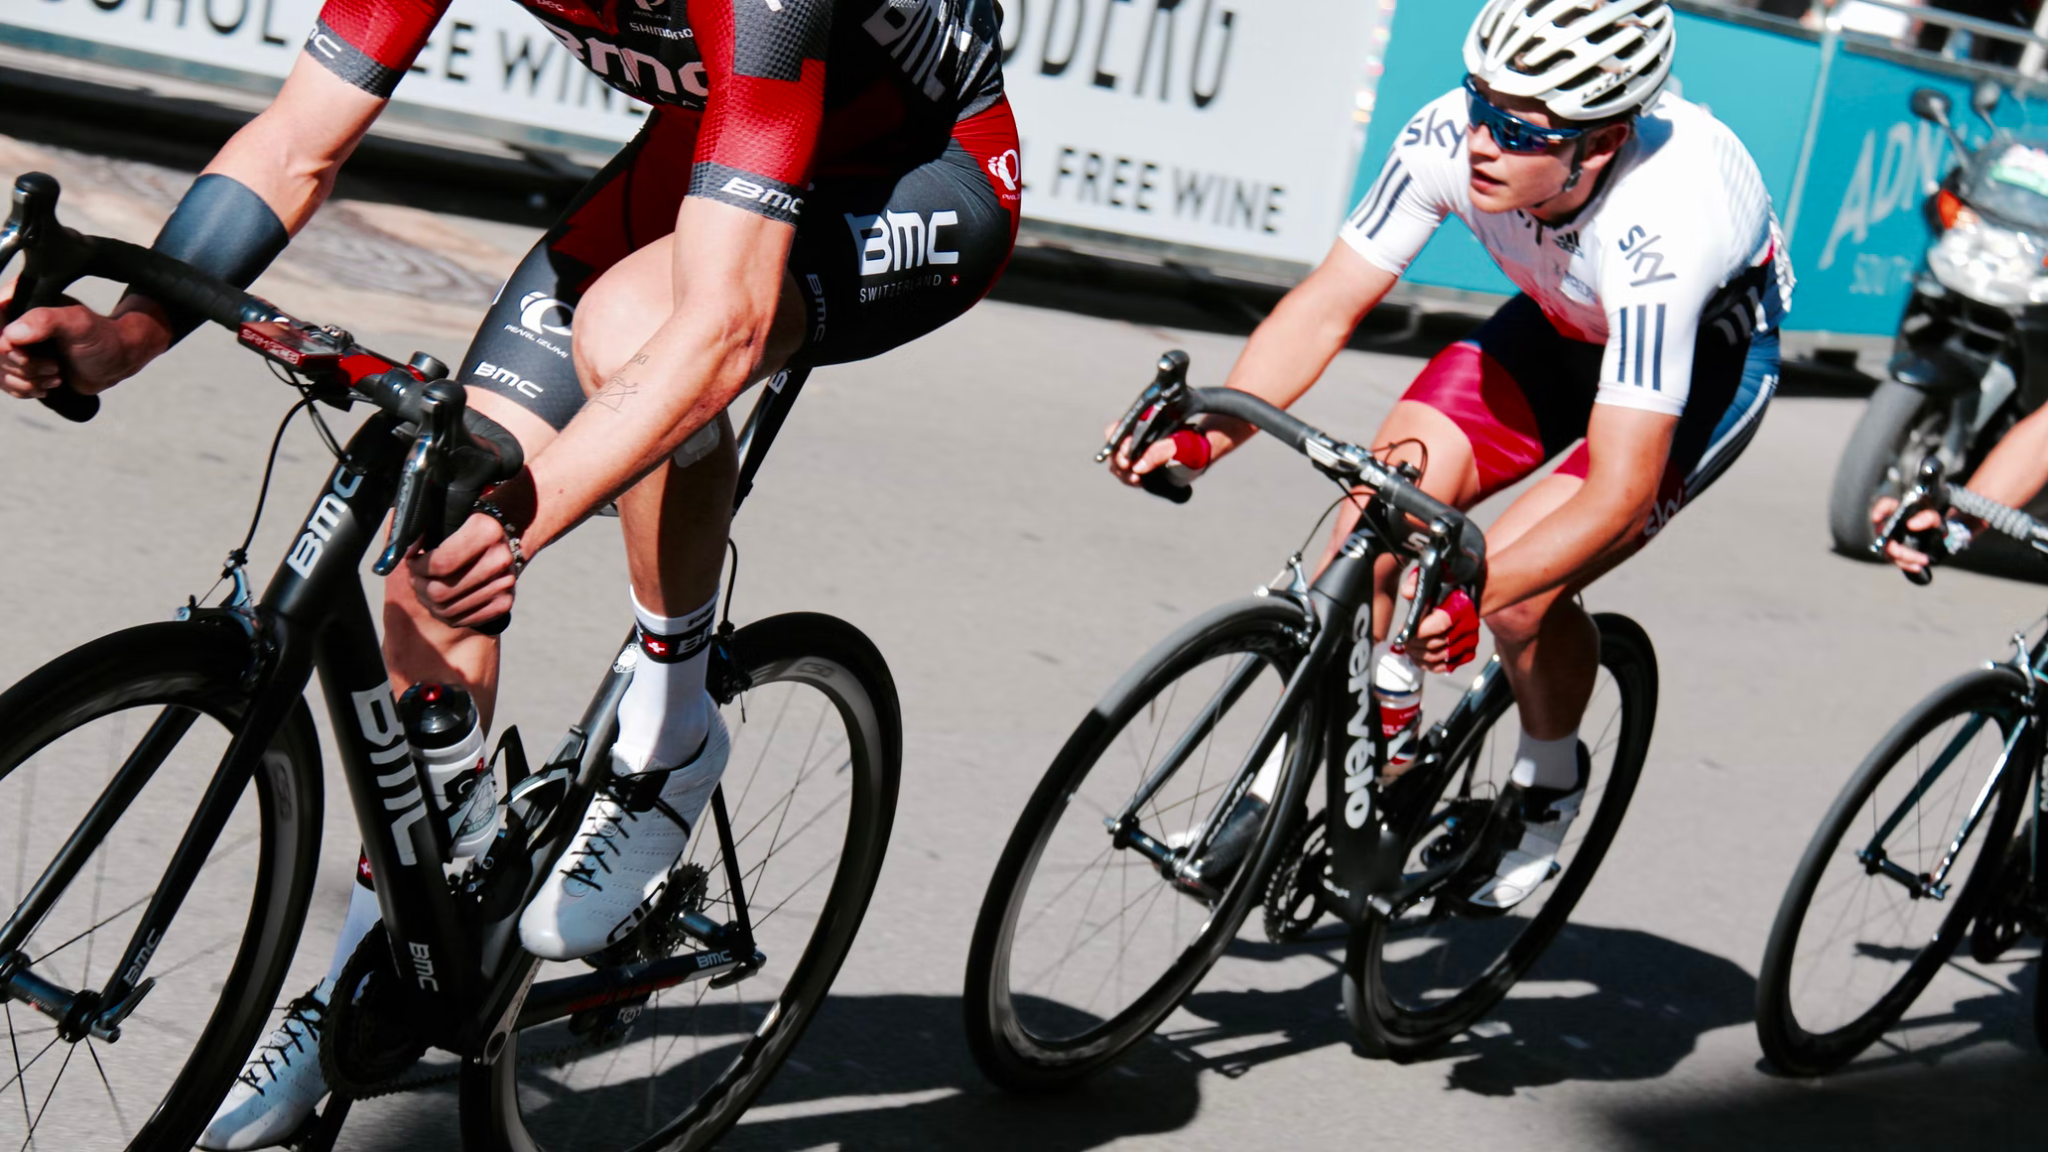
(321, 1129)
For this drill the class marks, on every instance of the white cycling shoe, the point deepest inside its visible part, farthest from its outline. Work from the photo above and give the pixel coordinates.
(1534, 822)
(632, 838)
(280, 1085)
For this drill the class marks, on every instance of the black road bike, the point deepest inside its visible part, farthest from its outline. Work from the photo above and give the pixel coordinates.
(1105, 909)
(1919, 853)
(163, 794)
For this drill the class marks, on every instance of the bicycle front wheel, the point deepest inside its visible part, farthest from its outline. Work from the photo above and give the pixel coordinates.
(1416, 981)
(1892, 879)
(111, 763)
(817, 749)
(1083, 945)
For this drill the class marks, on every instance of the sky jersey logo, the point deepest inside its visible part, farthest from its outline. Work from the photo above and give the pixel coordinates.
(901, 241)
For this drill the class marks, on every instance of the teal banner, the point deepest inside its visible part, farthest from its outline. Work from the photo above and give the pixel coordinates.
(1856, 222)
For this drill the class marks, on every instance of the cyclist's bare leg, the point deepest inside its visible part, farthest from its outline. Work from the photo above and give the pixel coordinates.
(1430, 440)
(1548, 645)
(675, 518)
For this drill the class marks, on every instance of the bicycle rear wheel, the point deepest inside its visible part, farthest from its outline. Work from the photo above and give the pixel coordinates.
(1082, 946)
(817, 749)
(115, 750)
(1854, 944)
(1414, 982)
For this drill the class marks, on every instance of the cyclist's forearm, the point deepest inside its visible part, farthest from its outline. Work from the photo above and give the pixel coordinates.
(291, 153)
(1587, 527)
(679, 382)
(2017, 469)
(267, 180)
(1292, 347)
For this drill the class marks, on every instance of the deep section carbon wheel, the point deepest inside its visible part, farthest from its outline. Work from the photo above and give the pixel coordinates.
(1414, 982)
(817, 748)
(110, 771)
(1083, 945)
(1885, 893)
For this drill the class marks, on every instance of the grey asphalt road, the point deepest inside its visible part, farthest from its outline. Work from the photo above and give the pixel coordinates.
(942, 498)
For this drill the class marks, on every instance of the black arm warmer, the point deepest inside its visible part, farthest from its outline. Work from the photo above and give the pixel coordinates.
(224, 228)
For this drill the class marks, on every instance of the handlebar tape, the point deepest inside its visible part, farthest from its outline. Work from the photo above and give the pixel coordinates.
(1467, 564)
(2011, 521)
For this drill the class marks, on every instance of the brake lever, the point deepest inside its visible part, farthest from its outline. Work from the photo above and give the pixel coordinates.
(1169, 381)
(1429, 581)
(1928, 493)
(415, 503)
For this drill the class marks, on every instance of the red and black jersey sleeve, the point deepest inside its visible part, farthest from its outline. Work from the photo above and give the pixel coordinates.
(765, 63)
(371, 43)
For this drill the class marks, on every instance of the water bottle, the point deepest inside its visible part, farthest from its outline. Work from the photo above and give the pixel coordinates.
(447, 738)
(1397, 685)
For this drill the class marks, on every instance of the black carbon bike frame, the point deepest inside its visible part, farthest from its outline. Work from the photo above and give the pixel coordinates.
(1370, 826)
(467, 983)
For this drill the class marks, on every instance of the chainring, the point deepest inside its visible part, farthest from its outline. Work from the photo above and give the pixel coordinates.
(660, 934)
(367, 1041)
(1294, 896)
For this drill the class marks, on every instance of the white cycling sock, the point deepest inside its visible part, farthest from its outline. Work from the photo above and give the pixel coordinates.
(1547, 763)
(666, 712)
(363, 915)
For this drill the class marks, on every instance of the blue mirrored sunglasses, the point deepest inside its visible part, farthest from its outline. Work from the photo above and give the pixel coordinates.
(1513, 133)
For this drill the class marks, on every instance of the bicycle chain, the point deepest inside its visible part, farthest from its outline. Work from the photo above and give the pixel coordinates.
(659, 935)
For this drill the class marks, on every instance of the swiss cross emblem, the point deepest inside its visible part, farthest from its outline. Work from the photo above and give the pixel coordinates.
(654, 647)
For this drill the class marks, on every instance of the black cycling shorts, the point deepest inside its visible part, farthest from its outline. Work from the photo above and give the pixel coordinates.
(889, 245)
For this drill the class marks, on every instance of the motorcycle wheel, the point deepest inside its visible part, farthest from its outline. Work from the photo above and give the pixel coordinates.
(1901, 425)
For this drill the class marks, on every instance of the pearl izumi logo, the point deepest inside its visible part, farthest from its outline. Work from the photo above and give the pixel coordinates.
(1004, 168)
(541, 319)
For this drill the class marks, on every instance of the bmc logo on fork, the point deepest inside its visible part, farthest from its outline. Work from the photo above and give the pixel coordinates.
(377, 718)
(321, 524)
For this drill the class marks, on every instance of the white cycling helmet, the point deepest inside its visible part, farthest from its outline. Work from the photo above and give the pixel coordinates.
(1584, 59)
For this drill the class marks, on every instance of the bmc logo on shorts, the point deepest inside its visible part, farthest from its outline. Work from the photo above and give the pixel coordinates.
(767, 197)
(900, 241)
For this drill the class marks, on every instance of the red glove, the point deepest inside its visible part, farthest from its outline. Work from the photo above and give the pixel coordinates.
(1191, 450)
(1463, 637)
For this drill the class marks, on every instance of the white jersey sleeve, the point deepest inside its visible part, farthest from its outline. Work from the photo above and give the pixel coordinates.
(1423, 180)
(1654, 291)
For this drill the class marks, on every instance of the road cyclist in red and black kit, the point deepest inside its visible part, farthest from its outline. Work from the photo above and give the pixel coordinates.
(818, 181)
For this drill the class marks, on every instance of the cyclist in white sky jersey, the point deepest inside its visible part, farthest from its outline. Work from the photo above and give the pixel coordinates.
(1652, 277)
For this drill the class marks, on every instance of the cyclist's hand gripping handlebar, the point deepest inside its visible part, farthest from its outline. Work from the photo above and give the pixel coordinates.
(456, 456)
(54, 257)
(1161, 410)
(1928, 494)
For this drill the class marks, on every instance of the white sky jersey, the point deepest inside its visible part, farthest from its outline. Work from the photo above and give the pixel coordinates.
(1642, 267)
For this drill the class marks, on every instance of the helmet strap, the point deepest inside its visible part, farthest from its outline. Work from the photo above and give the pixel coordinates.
(1572, 181)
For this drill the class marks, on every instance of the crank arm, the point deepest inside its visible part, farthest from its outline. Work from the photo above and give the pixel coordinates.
(557, 999)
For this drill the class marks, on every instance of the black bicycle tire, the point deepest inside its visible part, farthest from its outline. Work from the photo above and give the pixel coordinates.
(1387, 1030)
(199, 665)
(813, 644)
(989, 1023)
(1789, 1047)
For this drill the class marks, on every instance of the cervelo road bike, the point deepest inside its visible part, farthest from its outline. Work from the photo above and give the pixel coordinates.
(1919, 852)
(163, 795)
(1100, 917)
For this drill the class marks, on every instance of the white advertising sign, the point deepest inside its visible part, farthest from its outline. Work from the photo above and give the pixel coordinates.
(1223, 124)
(487, 58)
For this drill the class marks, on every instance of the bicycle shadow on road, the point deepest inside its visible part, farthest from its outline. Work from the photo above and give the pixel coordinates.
(1603, 1004)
